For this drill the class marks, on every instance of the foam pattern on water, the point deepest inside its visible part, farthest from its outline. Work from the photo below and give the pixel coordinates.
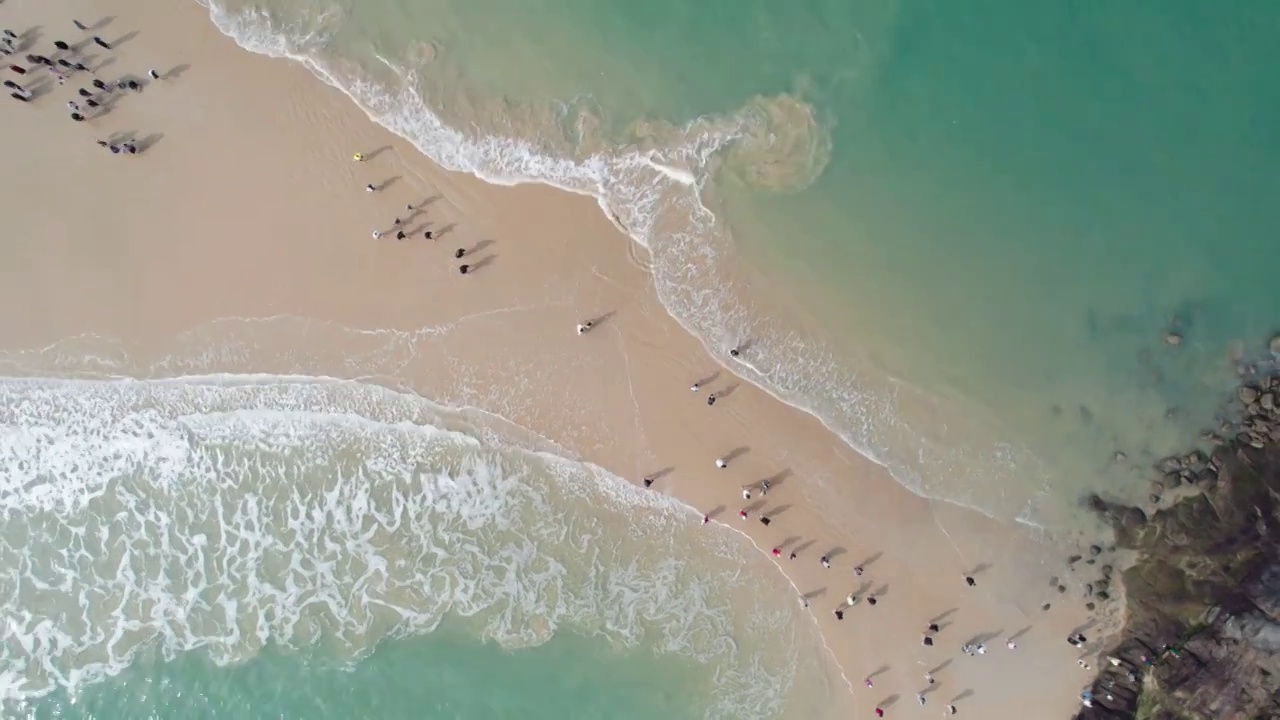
(226, 514)
(656, 188)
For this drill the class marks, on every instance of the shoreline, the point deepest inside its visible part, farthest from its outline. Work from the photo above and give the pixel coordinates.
(744, 300)
(309, 272)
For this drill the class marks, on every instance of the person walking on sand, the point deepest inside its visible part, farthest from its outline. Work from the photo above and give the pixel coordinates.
(869, 683)
(369, 188)
(464, 269)
(951, 709)
(858, 571)
(879, 712)
(459, 253)
(706, 519)
(153, 74)
(826, 562)
(101, 43)
(920, 698)
(839, 614)
(777, 552)
(711, 399)
(746, 493)
(928, 677)
(377, 234)
(695, 387)
(583, 328)
(850, 601)
(648, 482)
(427, 235)
(358, 157)
(968, 579)
(721, 463)
(764, 488)
(733, 352)
(400, 235)
(927, 641)
(742, 514)
(1011, 644)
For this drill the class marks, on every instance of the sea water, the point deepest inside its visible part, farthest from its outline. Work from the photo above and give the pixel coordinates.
(257, 546)
(956, 233)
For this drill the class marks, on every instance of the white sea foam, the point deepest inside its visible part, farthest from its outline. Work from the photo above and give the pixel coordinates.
(655, 190)
(226, 513)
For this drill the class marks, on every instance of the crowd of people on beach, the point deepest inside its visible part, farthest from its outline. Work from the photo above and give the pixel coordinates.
(70, 62)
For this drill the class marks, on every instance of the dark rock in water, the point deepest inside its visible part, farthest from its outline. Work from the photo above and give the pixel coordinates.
(1155, 499)
(1094, 550)
(1088, 589)
(1090, 561)
(1169, 465)
(1115, 514)
(1073, 559)
(1090, 606)
(1062, 588)
(1201, 601)
(1045, 607)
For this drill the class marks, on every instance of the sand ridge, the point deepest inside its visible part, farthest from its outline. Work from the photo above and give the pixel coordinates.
(246, 203)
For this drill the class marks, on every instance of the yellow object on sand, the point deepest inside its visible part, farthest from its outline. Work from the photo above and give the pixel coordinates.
(359, 157)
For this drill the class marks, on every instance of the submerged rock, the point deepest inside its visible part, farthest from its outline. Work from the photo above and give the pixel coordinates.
(1247, 394)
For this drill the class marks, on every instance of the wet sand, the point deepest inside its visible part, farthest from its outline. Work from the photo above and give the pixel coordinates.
(245, 203)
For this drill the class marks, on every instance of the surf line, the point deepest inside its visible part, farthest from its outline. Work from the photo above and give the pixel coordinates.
(821, 635)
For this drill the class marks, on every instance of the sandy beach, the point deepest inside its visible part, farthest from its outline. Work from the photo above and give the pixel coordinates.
(245, 202)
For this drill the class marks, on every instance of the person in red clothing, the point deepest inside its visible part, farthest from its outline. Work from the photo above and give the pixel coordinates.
(777, 552)
(879, 712)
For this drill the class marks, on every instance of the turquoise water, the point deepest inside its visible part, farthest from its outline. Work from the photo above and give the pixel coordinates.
(267, 546)
(957, 233)
(443, 675)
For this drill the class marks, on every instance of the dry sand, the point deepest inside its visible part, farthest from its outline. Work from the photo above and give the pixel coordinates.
(246, 204)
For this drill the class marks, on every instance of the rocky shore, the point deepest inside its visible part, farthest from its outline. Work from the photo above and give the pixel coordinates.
(1201, 638)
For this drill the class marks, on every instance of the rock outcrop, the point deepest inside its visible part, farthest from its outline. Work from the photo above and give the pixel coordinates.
(1202, 633)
